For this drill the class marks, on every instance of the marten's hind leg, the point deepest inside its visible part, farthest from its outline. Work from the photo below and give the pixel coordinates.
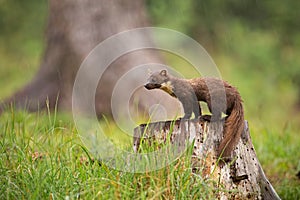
(216, 116)
(216, 113)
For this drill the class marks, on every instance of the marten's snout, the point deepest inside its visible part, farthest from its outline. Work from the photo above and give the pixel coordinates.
(151, 86)
(147, 86)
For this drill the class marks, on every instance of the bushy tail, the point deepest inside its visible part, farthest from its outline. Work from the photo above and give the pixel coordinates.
(233, 128)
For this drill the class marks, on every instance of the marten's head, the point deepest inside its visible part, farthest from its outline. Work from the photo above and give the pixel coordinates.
(157, 79)
(160, 80)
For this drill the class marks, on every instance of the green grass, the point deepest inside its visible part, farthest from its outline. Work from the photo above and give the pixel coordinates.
(42, 157)
(278, 152)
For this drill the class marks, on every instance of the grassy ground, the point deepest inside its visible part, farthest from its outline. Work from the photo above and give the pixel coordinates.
(43, 158)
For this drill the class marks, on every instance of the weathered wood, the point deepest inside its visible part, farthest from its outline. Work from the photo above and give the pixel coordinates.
(243, 174)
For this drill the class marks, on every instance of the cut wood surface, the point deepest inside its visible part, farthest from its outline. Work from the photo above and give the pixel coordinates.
(243, 175)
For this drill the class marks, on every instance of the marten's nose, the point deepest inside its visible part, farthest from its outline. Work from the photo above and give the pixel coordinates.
(147, 86)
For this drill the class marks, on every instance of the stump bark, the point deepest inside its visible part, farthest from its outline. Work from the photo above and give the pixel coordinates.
(243, 174)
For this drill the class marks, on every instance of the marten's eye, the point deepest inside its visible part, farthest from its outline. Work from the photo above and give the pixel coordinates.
(154, 79)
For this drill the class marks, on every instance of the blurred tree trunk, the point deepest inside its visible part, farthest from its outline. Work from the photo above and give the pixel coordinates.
(74, 29)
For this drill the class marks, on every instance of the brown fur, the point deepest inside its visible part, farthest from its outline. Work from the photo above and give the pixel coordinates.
(190, 91)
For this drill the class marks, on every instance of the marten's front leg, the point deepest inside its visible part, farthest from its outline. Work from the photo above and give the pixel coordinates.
(188, 109)
(197, 109)
(187, 105)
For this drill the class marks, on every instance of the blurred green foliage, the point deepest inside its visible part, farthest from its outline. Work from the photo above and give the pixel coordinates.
(22, 25)
(219, 25)
(255, 44)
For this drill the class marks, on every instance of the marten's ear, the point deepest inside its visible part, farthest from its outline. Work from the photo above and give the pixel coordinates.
(163, 72)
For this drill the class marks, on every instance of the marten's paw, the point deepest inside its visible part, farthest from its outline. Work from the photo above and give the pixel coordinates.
(182, 118)
(205, 118)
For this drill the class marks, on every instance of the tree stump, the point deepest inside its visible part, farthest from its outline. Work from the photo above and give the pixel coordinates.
(243, 174)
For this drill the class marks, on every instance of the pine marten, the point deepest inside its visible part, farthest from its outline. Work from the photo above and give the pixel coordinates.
(190, 91)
